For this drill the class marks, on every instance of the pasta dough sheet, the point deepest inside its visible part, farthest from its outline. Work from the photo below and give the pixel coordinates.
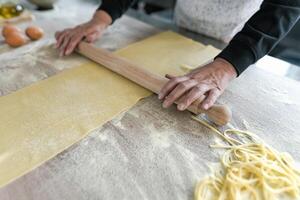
(40, 121)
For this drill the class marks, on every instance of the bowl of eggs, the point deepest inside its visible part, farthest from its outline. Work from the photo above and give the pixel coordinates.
(14, 36)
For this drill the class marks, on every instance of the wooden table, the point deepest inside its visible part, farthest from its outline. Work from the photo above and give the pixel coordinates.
(147, 152)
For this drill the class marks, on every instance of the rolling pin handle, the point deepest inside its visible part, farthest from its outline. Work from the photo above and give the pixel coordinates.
(219, 114)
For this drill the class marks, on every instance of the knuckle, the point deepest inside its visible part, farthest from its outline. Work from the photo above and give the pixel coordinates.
(209, 99)
(80, 34)
(188, 100)
(182, 85)
(192, 98)
(65, 37)
(65, 33)
(65, 42)
(97, 32)
(216, 93)
(73, 39)
(167, 86)
(87, 39)
(176, 80)
(199, 87)
(72, 45)
(170, 96)
(91, 39)
(90, 29)
(193, 92)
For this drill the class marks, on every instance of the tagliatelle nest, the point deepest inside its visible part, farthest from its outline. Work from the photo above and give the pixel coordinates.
(250, 169)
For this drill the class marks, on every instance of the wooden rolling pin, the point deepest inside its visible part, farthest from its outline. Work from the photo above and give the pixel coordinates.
(219, 114)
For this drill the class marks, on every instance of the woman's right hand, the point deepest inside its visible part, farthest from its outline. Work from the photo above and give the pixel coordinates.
(68, 39)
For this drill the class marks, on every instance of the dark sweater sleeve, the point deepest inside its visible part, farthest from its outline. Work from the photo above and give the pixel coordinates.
(116, 8)
(261, 33)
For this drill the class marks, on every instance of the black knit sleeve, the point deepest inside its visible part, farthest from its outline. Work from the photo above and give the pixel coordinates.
(116, 8)
(261, 33)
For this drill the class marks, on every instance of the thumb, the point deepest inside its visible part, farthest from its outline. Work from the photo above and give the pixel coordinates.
(91, 37)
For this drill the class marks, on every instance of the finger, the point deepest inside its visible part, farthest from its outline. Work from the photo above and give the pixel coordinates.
(168, 76)
(60, 39)
(60, 36)
(170, 85)
(192, 96)
(178, 91)
(73, 44)
(65, 42)
(211, 98)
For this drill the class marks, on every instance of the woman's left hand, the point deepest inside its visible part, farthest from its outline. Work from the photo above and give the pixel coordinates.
(209, 80)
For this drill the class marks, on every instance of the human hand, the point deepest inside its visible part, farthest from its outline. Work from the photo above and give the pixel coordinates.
(68, 39)
(209, 80)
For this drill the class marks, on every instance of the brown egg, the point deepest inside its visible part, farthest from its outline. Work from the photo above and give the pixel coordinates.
(15, 39)
(34, 32)
(8, 29)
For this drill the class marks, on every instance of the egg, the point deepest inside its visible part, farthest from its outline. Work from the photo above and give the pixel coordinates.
(34, 32)
(9, 29)
(16, 39)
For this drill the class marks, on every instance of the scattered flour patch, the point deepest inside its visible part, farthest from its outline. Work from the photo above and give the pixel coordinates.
(246, 124)
(159, 138)
(103, 137)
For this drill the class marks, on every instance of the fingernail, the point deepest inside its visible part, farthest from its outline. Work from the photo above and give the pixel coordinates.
(180, 107)
(159, 96)
(205, 106)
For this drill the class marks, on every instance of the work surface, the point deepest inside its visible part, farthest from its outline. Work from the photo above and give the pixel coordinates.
(147, 152)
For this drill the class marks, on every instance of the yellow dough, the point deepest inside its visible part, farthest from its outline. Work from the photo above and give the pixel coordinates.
(40, 121)
(206, 57)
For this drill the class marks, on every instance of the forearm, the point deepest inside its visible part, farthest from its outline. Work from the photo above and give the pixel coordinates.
(261, 33)
(102, 17)
(115, 8)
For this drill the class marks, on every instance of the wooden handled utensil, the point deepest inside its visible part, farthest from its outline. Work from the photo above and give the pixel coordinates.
(219, 114)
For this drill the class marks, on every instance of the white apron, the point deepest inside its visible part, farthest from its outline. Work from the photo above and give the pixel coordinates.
(220, 19)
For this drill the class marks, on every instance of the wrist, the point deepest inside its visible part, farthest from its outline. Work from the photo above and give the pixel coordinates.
(227, 66)
(101, 18)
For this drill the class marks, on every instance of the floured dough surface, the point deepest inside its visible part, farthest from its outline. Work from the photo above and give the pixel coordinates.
(40, 121)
